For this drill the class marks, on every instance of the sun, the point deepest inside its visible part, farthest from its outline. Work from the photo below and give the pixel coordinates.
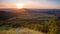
(20, 5)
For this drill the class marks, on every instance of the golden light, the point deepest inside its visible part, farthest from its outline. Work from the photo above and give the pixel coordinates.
(19, 5)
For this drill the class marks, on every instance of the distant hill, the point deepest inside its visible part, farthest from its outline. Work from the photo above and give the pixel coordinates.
(4, 15)
(32, 13)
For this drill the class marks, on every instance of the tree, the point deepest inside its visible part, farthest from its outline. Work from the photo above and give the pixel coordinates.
(52, 26)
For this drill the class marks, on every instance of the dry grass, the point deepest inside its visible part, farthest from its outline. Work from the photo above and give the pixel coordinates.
(20, 31)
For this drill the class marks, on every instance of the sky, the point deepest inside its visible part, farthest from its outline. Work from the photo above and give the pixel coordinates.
(51, 4)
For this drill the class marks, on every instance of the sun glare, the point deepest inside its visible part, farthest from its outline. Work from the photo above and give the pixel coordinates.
(19, 5)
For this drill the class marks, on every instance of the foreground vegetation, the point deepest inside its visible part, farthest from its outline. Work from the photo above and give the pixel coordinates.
(49, 26)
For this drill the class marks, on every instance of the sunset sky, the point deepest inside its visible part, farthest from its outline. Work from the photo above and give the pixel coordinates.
(52, 4)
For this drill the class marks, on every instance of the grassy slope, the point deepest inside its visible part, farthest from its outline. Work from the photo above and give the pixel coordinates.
(20, 31)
